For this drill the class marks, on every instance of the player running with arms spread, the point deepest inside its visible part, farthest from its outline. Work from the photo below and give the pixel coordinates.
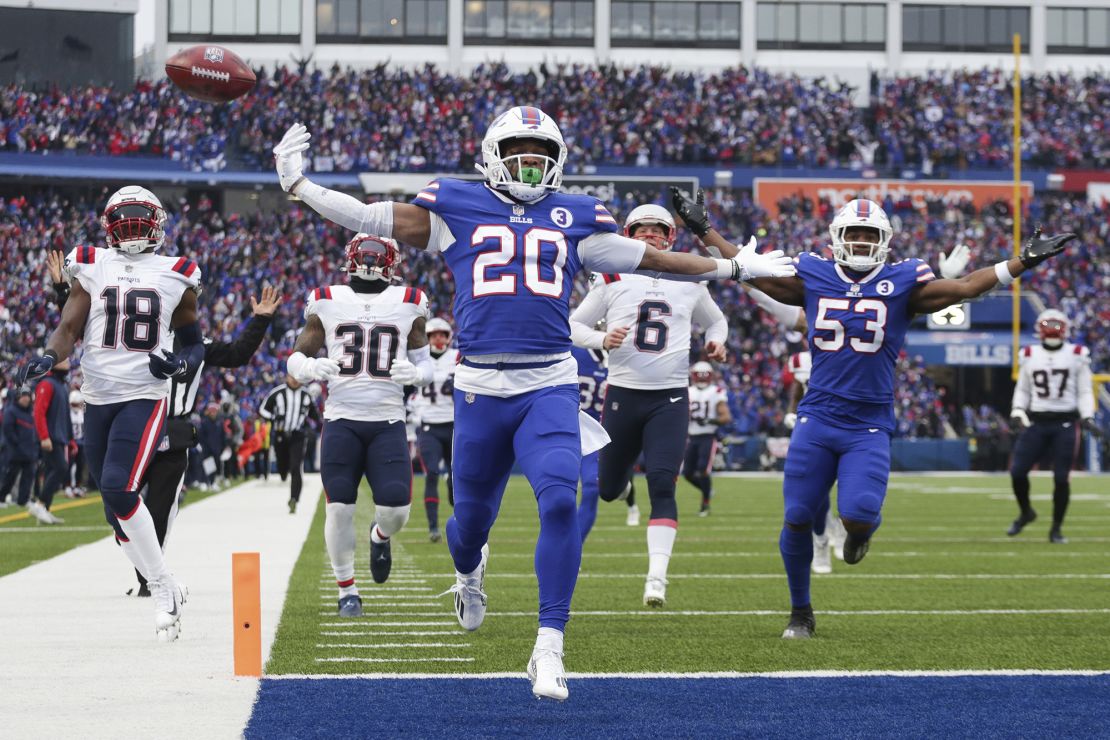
(514, 243)
(858, 308)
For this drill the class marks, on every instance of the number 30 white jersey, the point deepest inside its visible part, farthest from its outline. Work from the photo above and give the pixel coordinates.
(133, 297)
(364, 332)
(1055, 381)
(434, 403)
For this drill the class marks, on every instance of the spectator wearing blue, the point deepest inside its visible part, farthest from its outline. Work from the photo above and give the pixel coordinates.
(21, 443)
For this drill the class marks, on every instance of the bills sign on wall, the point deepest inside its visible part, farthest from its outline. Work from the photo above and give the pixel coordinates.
(770, 190)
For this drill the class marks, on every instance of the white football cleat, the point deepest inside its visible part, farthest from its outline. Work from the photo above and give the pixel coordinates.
(545, 671)
(633, 519)
(655, 592)
(470, 599)
(837, 534)
(822, 554)
(169, 597)
(39, 512)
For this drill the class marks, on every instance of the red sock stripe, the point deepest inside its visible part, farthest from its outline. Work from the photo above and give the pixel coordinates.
(147, 443)
(431, 500)
(672, 523)
(346, 584)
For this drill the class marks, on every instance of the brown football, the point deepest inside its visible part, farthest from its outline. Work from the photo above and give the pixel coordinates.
(210, 73)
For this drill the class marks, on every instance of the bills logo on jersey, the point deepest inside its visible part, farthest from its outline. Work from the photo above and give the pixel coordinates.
(562, 217)
(885, 287)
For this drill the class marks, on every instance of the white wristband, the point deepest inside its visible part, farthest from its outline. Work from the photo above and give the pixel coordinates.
(726, 269)
(1002, 272)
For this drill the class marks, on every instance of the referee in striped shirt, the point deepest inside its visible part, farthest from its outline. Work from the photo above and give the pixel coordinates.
(287, 408)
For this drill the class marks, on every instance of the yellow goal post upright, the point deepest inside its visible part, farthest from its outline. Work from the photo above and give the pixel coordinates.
(1015, 153)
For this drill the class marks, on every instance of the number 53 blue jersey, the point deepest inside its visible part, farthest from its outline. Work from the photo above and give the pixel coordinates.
(857, 325)
(514, 263)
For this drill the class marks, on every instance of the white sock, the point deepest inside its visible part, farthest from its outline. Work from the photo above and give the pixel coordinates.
(345, 591)
(339, 535)
(389, 520)
(549, 638)
(660, 541)
(142, 547)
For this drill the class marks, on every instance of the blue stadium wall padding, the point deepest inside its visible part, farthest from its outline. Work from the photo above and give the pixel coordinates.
(929, 454)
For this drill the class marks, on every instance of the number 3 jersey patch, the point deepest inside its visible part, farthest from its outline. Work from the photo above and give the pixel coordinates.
(133, 297)
(364, 333)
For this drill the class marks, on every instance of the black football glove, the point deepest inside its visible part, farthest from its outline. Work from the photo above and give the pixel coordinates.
(692, 212)
(170, 366)
(1092, 426)
(1038, 249)
(36, 368)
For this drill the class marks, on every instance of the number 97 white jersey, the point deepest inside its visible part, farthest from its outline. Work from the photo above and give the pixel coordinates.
(364, 332)
(1055, 381)
(132, 300)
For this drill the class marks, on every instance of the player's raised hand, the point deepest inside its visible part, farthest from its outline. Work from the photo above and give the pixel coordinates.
(716, 351)
(692, 211)
(167, 366)
(750, 264)
(953, 264)
(1039, 248)
(54, 261)
(36, 368)
(288, 158)
(615, 337)
(271, 299)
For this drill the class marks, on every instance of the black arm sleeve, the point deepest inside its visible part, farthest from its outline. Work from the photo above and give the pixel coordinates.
(240, 351)
(61, 294)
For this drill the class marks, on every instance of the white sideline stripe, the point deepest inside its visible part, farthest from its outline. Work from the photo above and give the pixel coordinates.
(701, 674)
(778, 612)
(418, 633)
(407, 599)
(356, 622)
(775, 554)
(840, 576)
(53, 528)
(109, 648)
(387, 645)
(407, 588)
(353, 659)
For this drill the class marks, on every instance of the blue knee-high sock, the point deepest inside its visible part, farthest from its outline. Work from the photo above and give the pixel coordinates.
(797, 554)
(558, 554)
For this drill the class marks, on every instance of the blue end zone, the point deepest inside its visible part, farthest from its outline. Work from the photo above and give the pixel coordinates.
(877, 706)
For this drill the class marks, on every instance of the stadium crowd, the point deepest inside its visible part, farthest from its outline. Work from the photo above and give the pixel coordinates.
(391, 119)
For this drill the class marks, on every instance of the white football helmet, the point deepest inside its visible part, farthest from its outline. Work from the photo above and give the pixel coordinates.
(438, 325)
(702, 373)
(861, 213)
(529, 184)
(801, 364)
(134, 220)
(650, 213)
(1052, 328)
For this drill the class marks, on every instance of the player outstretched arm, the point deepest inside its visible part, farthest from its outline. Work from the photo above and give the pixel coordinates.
(303, 364)
(239, 352)
(939, 294)
(402, 221)
(62, 339)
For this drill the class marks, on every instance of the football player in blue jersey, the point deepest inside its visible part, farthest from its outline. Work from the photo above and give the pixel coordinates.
(514, 242)
(593, 377)
(858, 308)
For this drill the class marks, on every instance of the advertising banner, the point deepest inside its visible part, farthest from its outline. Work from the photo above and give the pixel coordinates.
(770, 190)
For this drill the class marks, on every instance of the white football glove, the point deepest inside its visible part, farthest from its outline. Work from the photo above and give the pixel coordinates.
(288, 158)
(1021, 416)
(790, 420)
(404, 372)
(751, 264)
(307, 369)
(955, 262)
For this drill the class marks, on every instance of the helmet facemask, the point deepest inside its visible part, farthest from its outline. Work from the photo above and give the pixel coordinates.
(1052, 329)
(373, 258)
(856, 254)
(134, 226)
(525, 177)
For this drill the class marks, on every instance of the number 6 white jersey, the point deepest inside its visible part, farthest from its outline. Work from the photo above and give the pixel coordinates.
(1055, 381)
(133, 297)
(434, 403)
(364, 332)
(656, 353)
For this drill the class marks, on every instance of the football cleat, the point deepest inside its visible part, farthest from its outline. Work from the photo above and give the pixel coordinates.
(434, 535)
(1056, 537)
(470, 599)
(1020, 522)
(655, 592)
(548, 677)
(822, 554)
(802, 624)
(855, 549)
(292, 506)
(381, 558)
(350, 606)
(704, 510)
(633, 518)
(169, 597)
(39, 512)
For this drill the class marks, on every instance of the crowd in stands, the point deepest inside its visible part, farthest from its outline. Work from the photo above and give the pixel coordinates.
(392, 119)
(297, 250)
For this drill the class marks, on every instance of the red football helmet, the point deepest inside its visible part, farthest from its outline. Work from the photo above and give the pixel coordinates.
(1052, 328)
(373, 258)
(702, 374)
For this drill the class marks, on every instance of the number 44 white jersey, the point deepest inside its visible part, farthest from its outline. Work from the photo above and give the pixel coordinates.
(133, 297)
(1055, 381)
(434, 403)
(363, 333)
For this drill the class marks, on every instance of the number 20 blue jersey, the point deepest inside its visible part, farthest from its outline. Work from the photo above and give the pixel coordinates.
(514, 264)
(857, 328)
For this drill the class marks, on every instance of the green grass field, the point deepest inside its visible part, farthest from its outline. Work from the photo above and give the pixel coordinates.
(942, 588)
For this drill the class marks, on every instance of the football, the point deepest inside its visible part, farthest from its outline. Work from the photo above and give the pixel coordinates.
(210, 73)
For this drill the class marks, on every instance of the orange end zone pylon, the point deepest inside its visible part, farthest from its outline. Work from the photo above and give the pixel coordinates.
(246, 598)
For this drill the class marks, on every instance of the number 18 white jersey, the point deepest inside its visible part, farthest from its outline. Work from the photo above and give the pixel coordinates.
(1055, 381)
(133, 297)
(364, 332)
(434, 403)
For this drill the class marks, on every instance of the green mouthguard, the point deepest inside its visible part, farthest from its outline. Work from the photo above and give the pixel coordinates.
(531, 175)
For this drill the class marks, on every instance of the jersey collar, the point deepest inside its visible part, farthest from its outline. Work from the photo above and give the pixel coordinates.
(513, 201)
(865, 279)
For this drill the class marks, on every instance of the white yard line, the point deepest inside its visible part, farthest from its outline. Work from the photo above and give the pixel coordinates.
(355, 659)
(68, 616)
(391, 645)
(763, 613)
(493, 576)
(376, 633)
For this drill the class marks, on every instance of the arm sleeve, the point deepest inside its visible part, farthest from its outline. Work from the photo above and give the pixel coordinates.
(1084, 388)
(61, 294)
(582, 321)
(266, 410)
(786, 315)
(238, 352)
(340, 208)
(44, 393)
(1021, 390)
(192, 347)
(708, 315)
(605, 251)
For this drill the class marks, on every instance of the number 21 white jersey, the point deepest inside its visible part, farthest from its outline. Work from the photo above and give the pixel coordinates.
(133, 297)
(364, 332)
